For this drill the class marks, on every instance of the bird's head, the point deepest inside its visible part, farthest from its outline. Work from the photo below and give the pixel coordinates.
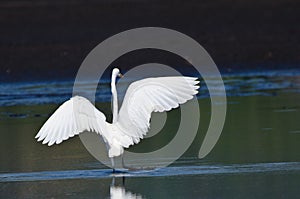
(116, 72)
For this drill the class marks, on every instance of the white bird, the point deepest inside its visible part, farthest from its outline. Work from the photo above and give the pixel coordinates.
(130, 124)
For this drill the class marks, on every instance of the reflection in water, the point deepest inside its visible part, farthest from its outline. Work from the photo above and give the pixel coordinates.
(119, 192)
(261, 180)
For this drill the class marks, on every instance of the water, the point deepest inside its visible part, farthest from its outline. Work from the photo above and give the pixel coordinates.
(264, 180)
(257, 155)
(159, 172)
(253, 83)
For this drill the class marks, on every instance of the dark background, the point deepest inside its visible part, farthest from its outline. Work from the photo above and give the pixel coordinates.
(49, 39)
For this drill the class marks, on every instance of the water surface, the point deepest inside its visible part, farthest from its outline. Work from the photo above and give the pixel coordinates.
(257, 154)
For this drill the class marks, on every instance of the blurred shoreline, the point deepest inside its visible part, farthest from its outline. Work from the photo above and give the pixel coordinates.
(46, 40)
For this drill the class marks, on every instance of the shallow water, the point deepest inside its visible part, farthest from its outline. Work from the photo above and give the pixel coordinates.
(257, 154)
(264, 180)
(283, 167)
(251, 83)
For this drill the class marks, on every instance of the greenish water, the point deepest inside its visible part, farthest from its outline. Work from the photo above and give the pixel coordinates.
(257, 156)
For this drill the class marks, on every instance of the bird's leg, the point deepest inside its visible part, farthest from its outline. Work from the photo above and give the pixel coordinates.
(123, 180)
(113, 164)
(113, 182)
(123, 164)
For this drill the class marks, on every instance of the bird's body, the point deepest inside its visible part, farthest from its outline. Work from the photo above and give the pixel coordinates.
(130, 123)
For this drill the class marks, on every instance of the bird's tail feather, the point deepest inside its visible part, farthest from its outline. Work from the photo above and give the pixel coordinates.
(115, 150)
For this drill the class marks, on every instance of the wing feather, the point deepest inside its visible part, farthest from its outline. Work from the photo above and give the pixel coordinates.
(73, 117)
(152, 95)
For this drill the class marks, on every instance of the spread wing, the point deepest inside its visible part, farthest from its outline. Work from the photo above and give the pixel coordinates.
(73, 117)
(152, 95)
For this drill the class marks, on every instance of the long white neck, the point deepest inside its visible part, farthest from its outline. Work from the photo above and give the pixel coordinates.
(115, 98)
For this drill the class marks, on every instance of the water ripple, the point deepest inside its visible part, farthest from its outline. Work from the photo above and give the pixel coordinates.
(167, 171)
(265, 83)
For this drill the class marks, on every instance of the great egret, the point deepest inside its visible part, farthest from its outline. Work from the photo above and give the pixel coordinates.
(130, 124)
